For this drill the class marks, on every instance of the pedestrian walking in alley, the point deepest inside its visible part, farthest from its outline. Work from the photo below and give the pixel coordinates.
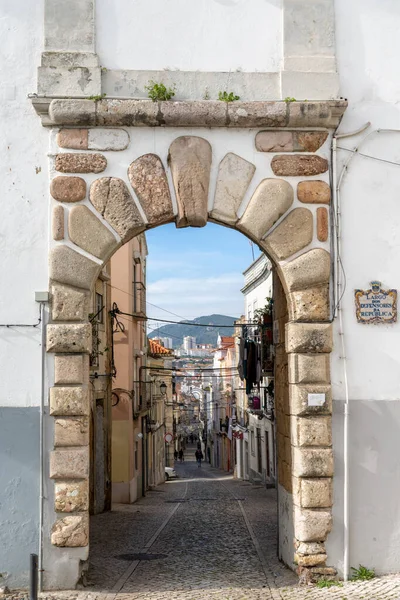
(176, 455)
(199, 457)
(181, 457)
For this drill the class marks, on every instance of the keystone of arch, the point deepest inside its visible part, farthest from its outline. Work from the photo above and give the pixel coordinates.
(190, 161)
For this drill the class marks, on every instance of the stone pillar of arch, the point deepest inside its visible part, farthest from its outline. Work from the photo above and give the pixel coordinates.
(93, 215)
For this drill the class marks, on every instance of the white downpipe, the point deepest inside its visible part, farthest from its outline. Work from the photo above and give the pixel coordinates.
(339, 292)
(41, 445)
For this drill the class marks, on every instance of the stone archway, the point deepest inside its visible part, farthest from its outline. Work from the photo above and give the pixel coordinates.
(292, 235)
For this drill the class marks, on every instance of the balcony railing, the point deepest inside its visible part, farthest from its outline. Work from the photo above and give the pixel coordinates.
(139, 300)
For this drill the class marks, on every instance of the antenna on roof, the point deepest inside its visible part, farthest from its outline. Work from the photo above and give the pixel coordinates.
(252, 248)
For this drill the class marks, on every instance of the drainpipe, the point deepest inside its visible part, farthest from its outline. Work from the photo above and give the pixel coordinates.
(339, 293)
(41, 444)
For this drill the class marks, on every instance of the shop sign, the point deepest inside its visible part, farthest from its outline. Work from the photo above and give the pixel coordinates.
(376, 305)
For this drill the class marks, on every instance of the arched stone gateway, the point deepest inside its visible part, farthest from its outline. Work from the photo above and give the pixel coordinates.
(289, 222)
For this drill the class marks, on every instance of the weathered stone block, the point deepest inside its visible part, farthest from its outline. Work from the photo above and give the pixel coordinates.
(71, 431)
(71, 532)
(72, 112)
(71, 463)
(313, 114)
(292, 234)
(270, 201)
(308, 337)
(107, 139)
(68, 304)
(311, 431)
(275, 141)
(323, 571)
(65, 401)
(310, 560)
(68, 189)
(311, 525)
(309, 368)
(309, 305)
(309, 141)
(70, 267)
(322, 224)
(312, 462)
(128, 113)
(314, 192)
(310, 547)
(149, 181)
(69, 368)
(71, 496)
(111, 197)
(234, 176)
(57, 223)
(89, 233)
(257, 114)
(298, 165)
(69, 338)
(290, 141)
(193, 114)
(313, 493)
(298, 399)
(308, 270)
(74, 139)
(190, 161)
(80, 163)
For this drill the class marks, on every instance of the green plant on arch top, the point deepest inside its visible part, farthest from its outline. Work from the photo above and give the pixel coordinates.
(158, 92)
(225, 97)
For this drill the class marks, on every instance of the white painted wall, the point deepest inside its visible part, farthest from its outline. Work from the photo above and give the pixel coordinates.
(190, 35)
(23, 249)
(367, 49)
(256, 298)
(24, 205)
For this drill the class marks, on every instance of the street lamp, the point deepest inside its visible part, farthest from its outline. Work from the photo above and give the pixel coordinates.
(163, 388)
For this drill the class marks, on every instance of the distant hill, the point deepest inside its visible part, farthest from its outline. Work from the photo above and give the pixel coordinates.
(203, 335)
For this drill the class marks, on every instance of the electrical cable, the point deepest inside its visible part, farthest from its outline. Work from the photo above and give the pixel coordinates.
(96, 315)
(384, 160)
(120, 312)
(34, 325)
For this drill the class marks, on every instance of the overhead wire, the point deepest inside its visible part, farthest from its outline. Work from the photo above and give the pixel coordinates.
(249, 324)
(33, 325)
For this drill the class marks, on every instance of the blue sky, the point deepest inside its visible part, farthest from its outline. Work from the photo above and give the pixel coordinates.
(194, 272)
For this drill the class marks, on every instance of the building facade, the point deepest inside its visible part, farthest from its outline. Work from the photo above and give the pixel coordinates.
(129, 410)
(255, 432)
(296, 165)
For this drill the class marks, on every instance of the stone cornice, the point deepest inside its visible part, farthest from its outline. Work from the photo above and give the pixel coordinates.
(206, 113)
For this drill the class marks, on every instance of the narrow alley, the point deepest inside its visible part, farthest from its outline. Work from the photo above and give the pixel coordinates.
(202, 535)
(196, 536)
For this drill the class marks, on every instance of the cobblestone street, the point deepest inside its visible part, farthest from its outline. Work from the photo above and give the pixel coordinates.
(202, 536)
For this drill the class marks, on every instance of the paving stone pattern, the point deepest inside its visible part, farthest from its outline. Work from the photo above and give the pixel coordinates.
(207, 549)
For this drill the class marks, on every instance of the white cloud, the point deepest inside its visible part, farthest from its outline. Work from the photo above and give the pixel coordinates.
(194, 297)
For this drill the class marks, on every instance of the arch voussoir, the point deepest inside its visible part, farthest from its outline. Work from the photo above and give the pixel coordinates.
(190, 162)
(72, 268)
(234, 177)
(111, 198)
(270, 201)
(149, 182)
(89, 233)
(293, 234)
